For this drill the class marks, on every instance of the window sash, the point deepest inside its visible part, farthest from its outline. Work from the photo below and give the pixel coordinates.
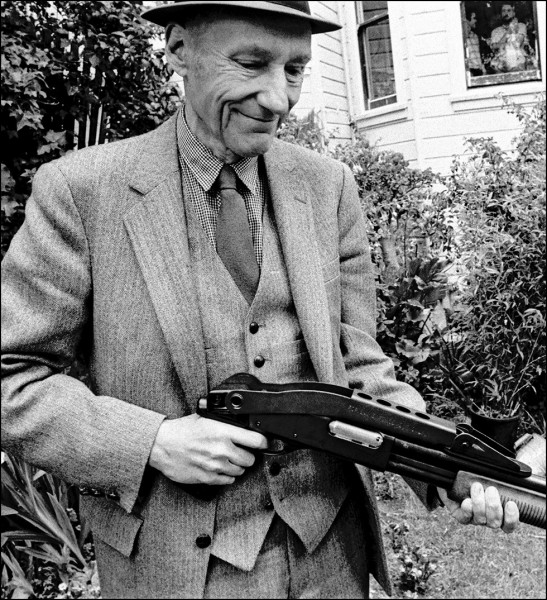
(377, 92)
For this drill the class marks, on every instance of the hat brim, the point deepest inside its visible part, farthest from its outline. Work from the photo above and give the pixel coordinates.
(169, 13)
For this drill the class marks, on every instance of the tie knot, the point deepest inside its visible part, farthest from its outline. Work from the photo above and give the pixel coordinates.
(227, 178)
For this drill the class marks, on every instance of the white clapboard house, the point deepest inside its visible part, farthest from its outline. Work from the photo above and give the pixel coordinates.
(419, 77)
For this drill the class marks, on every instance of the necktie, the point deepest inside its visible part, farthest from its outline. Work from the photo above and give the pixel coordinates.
(233, 236)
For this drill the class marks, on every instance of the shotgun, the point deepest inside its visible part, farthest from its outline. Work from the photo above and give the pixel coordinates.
(377, 434)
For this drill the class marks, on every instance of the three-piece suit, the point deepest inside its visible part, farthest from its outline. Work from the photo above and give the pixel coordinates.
(113, 263)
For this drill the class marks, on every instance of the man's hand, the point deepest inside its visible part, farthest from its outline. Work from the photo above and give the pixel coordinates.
(484, 506)
(197, 450)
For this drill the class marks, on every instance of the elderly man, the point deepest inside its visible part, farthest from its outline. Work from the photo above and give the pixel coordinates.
(174, 260)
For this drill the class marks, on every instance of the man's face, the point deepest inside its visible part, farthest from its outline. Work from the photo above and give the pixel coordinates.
(473, 20)
(507, 13)
(242, 76)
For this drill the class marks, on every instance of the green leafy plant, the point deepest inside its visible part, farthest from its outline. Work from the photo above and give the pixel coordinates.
(306, 131)
(73, 74)
(40, 526)
(416, 564)
(494, 350)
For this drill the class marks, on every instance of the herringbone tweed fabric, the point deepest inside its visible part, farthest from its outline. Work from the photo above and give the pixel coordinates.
(102, 265)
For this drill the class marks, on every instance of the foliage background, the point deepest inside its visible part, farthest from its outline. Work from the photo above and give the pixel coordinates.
(61, 61)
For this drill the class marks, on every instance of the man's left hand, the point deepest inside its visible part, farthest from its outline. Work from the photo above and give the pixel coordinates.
(484, 506)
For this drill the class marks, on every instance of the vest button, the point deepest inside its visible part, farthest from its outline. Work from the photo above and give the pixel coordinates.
(275, 469)
(254, 327)
(202, 541)
(259, 361)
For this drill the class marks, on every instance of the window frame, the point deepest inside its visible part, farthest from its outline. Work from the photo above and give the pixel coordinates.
(365, 59)
(491, 79)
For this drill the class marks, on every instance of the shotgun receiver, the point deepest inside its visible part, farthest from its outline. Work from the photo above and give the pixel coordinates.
(378, 434)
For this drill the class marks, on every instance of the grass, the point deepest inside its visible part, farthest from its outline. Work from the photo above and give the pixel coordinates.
(471, 562)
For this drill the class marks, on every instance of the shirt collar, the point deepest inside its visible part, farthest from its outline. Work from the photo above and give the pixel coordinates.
(205, 165)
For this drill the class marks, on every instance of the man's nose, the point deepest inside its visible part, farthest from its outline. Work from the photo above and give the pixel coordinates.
(274, 92)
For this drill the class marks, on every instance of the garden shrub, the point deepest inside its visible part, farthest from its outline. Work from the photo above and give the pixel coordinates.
(405, 211)
(495, 348)
(61, 61)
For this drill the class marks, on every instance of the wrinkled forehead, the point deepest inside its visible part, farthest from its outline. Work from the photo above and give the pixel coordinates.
(505, 8)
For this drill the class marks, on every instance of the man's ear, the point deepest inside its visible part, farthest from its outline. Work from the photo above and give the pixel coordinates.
(176, 48)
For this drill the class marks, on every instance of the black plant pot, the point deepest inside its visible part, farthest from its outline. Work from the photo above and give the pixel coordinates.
(501, 429)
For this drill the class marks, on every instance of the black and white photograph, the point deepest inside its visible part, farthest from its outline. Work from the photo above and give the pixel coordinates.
(273, 282)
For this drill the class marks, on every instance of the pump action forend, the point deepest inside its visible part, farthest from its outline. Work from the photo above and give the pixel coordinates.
(378, 434)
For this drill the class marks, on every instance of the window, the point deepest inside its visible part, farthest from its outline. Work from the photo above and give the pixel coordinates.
(500, 42)
(376, 54)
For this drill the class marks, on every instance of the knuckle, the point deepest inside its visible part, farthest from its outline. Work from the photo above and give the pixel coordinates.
(494, 523)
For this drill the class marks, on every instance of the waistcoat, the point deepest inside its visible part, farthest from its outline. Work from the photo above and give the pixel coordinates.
(305, 488)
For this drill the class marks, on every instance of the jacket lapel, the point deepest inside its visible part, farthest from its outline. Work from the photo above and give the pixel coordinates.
(291, 199)
(156, 224)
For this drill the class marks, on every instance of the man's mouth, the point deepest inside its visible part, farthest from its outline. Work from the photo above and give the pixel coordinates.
(256, 118)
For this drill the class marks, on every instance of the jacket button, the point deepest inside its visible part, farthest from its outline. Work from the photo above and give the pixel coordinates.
(203, 541)
(275, 469)
(254, 327)
(268, 505)
(84, 491)
(259, 361)
(113, 496)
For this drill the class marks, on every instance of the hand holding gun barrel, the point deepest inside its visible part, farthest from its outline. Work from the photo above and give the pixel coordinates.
(382, 436)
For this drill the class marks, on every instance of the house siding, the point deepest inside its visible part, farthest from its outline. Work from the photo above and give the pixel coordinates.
(441, 111)
(325, 88)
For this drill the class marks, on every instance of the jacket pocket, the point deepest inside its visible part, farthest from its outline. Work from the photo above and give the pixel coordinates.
(111, 524)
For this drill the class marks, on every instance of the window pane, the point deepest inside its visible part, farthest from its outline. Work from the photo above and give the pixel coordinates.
(377, 58)
(370, 10)
(500, 42)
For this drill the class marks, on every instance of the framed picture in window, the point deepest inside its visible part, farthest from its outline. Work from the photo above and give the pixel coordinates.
(500, 42)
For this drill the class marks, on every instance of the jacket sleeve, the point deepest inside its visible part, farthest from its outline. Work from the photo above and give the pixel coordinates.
(49, 419)
(367, 367)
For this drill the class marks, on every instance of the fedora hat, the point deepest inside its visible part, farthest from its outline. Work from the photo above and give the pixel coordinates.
(174, 12)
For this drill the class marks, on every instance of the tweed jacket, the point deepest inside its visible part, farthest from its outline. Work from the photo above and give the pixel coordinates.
(101, 266)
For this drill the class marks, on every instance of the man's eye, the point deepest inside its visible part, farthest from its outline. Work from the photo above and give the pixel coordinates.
(248, 64)
(295, 71)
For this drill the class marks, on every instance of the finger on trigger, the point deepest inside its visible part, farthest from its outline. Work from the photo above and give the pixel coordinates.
(248, 439)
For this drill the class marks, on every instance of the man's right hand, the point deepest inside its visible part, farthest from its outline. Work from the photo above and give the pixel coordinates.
(193, 449)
